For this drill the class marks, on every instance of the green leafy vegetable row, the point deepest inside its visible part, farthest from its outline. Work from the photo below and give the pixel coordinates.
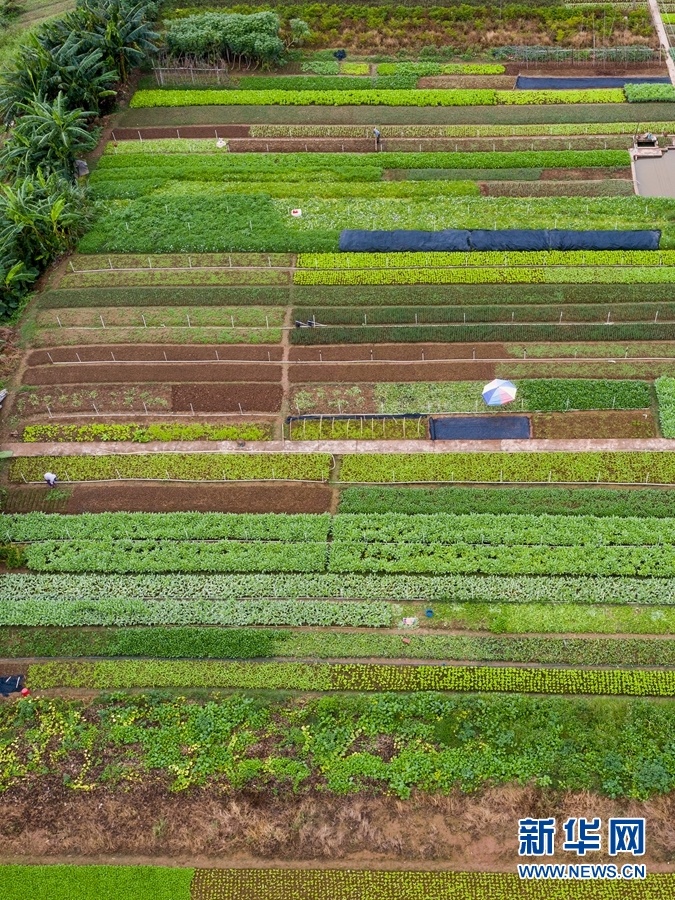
(348, 677)
(146, 99)
(308, 884)
(554, 501)
(38, 526)
(128, 556)
(98, 594)
(410, 260)
(507, 275)
(182, 466)
(112, 431)
(615, 467)
(243, 643)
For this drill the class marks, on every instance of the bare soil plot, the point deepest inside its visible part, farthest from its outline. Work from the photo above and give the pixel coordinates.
(153, 373)
(233, 397)
(595, 424)
(475, 831)
(176, 497)
(141, 353)
(466, 370)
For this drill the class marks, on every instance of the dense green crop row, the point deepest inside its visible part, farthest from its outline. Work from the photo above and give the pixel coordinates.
(649, 93)
(139, 160)
(97, 594)
(251, 643)
(665, 395)
(424, 315)
(536, 394)
(507, 275)
(388, 527)
(488, 333)
(611, 467)
(469, 559)
(146, 99)
(127, 556)
(132, 609)
(529, 258)
(174, 145)
(182, 466)
(451, 295)
(38, 526)
(614, 467)
(163, 296)
(501, 530)
(309, 884)
(554, 501)
(348, 677)
(113, 431)
(70, 882)
(422, 69)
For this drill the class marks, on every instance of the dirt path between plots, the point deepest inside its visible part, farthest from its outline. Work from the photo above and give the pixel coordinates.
(46, 821)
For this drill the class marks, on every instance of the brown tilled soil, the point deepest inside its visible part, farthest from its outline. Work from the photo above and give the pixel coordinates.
(474, 832)
(150, 373)
(413, 371)
(584, 174)
(281, 498)
(628, 423)
(356, 352)
(144, 352)
(227, 397)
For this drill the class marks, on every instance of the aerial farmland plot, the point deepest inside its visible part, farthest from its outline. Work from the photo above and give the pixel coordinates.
(337, 503)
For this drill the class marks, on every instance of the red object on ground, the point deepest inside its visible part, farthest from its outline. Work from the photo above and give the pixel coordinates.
(25, 692)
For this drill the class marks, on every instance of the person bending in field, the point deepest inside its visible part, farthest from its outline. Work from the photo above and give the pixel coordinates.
(51, 479)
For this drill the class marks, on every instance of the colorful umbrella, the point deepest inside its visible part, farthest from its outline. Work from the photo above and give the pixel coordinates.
(499, 392)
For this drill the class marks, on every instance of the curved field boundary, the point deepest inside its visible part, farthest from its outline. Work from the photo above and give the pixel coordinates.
(328, 677)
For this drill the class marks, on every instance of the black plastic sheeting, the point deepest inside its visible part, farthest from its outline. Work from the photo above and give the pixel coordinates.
(479, 428)
(361, 241)
(10, 683)
(525, 83)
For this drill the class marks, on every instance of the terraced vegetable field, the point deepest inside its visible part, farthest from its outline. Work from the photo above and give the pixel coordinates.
(266, 619)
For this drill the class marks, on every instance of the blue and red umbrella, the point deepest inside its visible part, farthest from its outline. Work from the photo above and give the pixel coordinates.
(499, 392)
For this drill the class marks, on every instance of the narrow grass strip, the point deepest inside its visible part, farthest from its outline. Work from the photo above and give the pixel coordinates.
(84, 882)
